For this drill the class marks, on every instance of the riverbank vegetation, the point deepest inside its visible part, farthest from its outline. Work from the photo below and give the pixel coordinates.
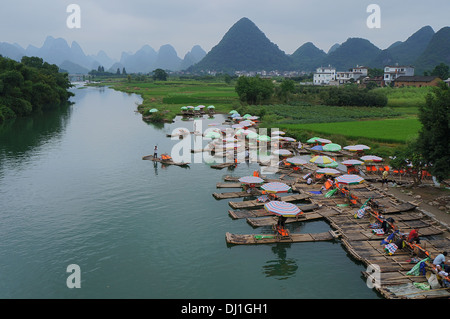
(30, 85)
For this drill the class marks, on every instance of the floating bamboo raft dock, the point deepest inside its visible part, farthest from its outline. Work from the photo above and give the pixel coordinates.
(391, 280)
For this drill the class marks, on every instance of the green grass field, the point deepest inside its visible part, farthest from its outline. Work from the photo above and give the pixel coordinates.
(170, 96)
(405, 96)
(388, 130)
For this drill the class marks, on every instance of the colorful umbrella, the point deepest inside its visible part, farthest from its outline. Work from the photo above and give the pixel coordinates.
(211, 107)
(280, 208)
(252, 135)
(153, 111)
(201, 106)
(230, 146)
(321, 159)
(328, 171)
(276, 187)
(213, 135)
(278, 133)
(296, 161)
(312, 140)
(237, 126)
(317, 148)
(283, 152)
(233, 112)
(352, 162)
(349, 179)
(355, 148)
(290, 139)
(184, 108)
(251, 180)
(246, 116)
(323, 140)
(263, 138)
(332, 147)
(333, 164)
(371, 158)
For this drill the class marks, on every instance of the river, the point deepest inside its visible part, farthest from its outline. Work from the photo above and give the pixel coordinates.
(75, 190)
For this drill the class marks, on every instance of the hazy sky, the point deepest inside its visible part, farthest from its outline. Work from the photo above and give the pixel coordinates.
(117, 25)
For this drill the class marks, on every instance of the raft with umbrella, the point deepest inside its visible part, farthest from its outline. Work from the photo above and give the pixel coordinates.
(254, 239)
(249, 204)
(167, 161)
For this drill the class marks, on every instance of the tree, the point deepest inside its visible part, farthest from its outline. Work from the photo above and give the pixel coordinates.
(409, 158)
(118, 71)
(441, 70)
(254, 90)
(124, 71)
(159, 75)
(434, 137)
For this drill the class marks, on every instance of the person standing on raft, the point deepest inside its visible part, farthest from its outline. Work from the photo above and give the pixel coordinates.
(155, 152)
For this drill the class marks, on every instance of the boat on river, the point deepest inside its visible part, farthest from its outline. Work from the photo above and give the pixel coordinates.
(167, 161)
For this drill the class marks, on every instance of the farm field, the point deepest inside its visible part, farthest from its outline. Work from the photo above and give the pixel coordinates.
(398, 130)
(169, 96)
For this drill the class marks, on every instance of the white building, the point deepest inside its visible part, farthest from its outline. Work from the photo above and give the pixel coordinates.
(356, 74)
(324, 75)
(393, 72)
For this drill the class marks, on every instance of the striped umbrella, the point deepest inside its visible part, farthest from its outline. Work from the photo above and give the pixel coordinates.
(282, 152)
(280, 208)
(352, 162)
(296, 161)
(251, 180)
(317, 148)
(349, 179)
(355, 148)
(276, 187)
(332, 147)
(323, 141)
(328, 171)
(312, 139)
(371, 158)
(263, 138)
(321, 159)
(333, 164)
(213, 135)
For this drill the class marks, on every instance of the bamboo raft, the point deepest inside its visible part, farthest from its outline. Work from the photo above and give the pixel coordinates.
(240, 214)
(236, 239)
(254, 203)
(165, 162)
(223, 165)
(229, 195)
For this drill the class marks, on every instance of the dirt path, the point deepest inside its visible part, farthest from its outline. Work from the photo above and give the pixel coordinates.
(432, 200)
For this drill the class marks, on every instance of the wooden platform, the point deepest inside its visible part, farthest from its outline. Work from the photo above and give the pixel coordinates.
(255, 239)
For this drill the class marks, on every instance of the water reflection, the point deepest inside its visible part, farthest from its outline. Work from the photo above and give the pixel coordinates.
(281, 268)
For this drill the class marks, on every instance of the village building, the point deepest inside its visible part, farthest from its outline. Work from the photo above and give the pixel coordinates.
(355, 75)
(417, 81)
(324, 75)
(391, 73)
